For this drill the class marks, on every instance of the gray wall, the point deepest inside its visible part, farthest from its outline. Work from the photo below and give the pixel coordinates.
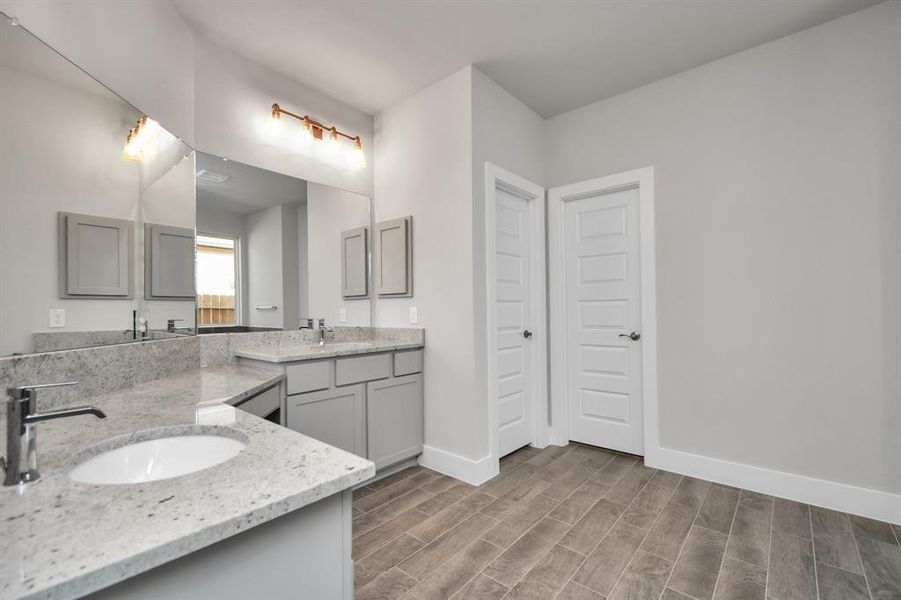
(329, 212)
(264, 267)
(778, 269)
(424, 145)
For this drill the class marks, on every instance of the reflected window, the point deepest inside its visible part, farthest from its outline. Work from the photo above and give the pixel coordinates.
(217, 273)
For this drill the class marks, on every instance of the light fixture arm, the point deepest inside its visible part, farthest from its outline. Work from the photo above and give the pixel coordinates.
(277, 111)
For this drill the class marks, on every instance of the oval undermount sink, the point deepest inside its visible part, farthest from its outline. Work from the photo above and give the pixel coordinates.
(153, 460)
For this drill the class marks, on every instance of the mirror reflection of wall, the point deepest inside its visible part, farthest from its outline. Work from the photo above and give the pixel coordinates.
(269, 249)
(67, 278)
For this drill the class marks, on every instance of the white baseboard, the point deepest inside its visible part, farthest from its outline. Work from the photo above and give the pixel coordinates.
(865, 502)
(473, 472)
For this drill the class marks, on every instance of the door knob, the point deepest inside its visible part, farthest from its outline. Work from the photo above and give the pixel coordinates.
(526, 334)
(634, 336)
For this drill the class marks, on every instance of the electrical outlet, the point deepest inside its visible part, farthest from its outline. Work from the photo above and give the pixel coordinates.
(342, 315)
(57, 317)
(414, 315)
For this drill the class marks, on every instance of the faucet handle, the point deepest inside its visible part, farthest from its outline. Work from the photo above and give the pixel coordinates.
(23, 391)
(321, 323)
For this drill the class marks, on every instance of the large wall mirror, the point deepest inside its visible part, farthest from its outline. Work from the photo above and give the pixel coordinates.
(274, 251)
(96, 235)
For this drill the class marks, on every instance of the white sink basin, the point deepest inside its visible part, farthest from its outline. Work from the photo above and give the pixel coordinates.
(157, 459)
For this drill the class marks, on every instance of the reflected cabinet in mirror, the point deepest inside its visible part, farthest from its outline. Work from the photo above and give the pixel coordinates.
(96, 210)
(274, 251)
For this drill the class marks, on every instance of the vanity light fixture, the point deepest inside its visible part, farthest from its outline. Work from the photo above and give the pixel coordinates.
(315, 131)
(139, 139)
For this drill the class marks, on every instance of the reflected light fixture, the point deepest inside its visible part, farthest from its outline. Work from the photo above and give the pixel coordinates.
(313, 130)
(140, 139)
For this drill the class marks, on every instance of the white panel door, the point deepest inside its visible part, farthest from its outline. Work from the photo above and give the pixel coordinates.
(603, 313)
(513, 319)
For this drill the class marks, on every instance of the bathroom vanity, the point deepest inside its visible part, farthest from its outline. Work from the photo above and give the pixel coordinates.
(366, 398)
(281, 507)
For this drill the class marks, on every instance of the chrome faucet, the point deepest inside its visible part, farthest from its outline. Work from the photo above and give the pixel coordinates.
(170, 324)
(322, 331)
(21, 462)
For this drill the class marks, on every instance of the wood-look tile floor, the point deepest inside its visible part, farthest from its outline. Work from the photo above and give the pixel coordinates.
(581, 523)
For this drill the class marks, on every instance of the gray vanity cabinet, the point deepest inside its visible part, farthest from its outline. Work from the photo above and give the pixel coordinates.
(331, 416)
(368, 404)
(394, 419)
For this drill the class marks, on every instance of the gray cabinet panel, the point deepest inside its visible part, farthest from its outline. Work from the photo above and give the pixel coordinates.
(355, 263)
(168, 262)
(95, 256)
(362, 368)
(407, 362)
(394, 242)
(264, 403)
(303, 554)
(331, 416)
(309, 376)
(394, 419)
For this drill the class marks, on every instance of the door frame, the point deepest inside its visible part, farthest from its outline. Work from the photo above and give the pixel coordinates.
(496, 177)
(643, 180)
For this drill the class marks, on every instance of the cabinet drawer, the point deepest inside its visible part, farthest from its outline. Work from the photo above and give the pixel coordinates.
(362, 368)
(308, 376)
(394, 419)
(407, 362)
(263, 403)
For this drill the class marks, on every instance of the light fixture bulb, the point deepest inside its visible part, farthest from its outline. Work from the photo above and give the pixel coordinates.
(275, 123)
(307, 132)
(142, 140)
(131, 152)
(356, 158)
(332, 146)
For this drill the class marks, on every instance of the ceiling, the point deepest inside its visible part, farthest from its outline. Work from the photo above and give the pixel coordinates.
(20, 50)
(247, 189)
(553, 55)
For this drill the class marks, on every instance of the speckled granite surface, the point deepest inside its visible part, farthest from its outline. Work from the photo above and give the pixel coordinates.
(53, 341)
(282, 346)
(280, 354)
(61, 539)
(98, 370)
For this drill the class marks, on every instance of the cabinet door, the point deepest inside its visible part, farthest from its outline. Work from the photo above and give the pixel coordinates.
(394, 419)
(96, 256)
(354, 263)
(394, 243)
(331, 416)
(168, 262)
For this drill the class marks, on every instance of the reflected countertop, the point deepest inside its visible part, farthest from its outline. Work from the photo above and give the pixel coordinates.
(281, 354)
(62, 539)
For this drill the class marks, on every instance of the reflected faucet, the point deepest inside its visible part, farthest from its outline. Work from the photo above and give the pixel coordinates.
(21, 462)
(322, 331)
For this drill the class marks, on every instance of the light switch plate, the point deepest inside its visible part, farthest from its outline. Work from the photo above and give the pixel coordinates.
(342, 315)
(57, 317)
(414, 315)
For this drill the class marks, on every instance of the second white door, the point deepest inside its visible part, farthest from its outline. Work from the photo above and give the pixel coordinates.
(602, 307)
(513, 319)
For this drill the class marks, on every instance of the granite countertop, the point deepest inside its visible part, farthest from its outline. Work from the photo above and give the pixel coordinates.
(280, 354)
(63, 539)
